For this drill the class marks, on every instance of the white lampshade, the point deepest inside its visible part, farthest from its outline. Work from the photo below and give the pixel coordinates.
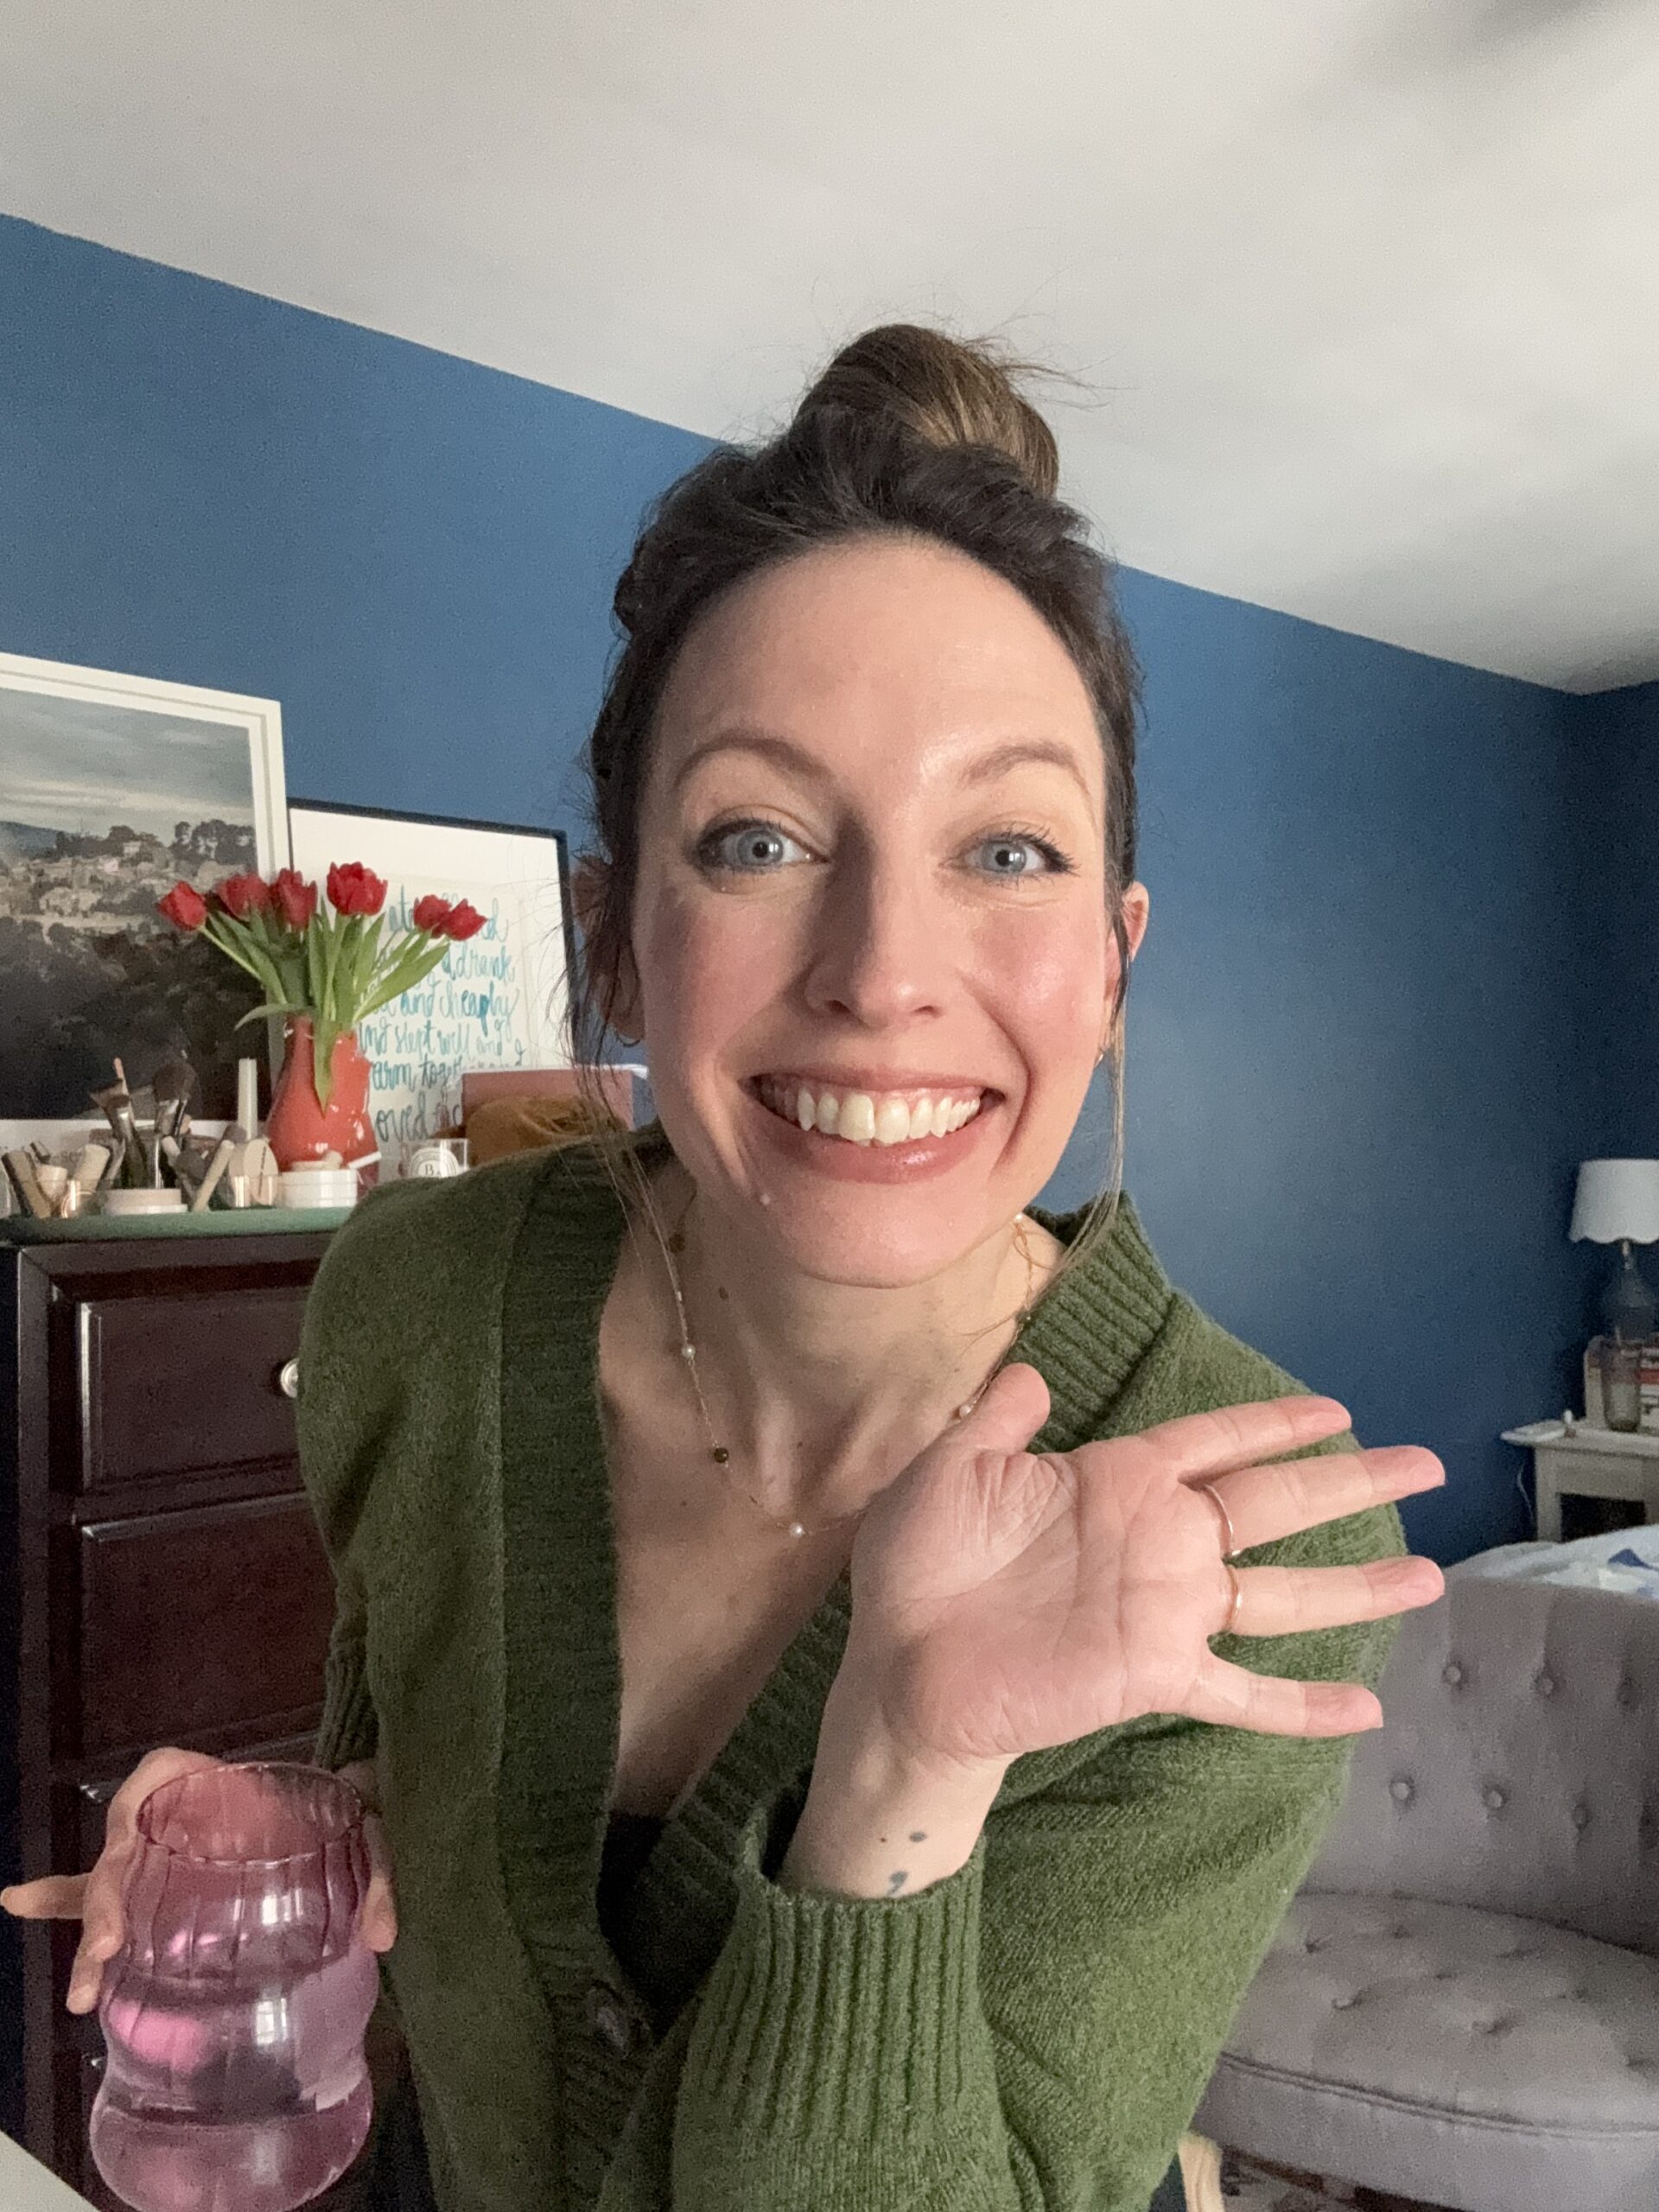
(1617, 1199)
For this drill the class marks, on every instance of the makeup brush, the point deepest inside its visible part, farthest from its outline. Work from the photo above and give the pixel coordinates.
(116, 1101)
(22, 1165)
(234, 1135)
(172, 1084)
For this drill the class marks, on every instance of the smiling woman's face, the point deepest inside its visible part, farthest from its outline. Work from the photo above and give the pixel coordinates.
(872, 869)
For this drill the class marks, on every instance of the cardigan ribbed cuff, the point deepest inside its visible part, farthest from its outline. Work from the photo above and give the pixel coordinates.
(349, 1729)
(847, 2020)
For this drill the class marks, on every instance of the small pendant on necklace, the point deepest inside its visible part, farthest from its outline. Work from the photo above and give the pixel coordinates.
(720, 1455)
(796, 1529)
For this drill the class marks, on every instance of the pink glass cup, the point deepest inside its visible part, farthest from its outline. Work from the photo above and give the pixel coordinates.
(234, 2012)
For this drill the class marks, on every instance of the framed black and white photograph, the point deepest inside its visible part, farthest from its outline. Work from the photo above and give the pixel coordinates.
(501, 999)
(114, 788)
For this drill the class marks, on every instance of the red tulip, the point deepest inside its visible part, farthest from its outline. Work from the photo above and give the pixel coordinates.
(431, 912)
(297, 900)
(242, 895)
(463, 921)
(354, 889)
(183, 907)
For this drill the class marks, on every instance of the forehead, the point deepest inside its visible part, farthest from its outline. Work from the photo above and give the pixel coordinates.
(881, 650)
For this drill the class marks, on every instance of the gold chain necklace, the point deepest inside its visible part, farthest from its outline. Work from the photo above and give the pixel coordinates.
(719, 1453)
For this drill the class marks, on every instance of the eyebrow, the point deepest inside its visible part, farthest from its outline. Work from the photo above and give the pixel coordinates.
(781, 750)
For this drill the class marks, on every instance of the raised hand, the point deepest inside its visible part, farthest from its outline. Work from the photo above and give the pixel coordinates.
(1004, 1602)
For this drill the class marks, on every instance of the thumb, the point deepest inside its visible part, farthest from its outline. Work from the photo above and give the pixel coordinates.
(1014, 1407)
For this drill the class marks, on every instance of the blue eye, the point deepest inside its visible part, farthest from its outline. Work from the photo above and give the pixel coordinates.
(1011, 842)
(754, 848)
(750, 841)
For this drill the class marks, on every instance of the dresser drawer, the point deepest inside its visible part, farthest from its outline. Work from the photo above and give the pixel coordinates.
(211, 1619)
(172, 1385)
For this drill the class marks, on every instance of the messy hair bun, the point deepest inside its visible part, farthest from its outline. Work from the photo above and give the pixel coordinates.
(944, 393)
(910, 432)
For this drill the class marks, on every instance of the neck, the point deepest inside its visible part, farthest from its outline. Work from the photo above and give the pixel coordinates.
(823, 1392)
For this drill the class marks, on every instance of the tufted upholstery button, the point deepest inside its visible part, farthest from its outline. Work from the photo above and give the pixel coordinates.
(1494, 2027)
(1400, 1789)
(1494, 1799)
(608, 2019)
(1626, 1692)
(1451, 1673)
(1545, 1685)
(1344, 2004)
(1581, 1816)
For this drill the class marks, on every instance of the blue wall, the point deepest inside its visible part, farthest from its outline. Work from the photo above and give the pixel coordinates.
(1616, 824)
(413, 554)
(1355, 1095)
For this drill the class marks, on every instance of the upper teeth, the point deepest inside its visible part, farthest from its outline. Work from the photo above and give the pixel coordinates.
(887, 1117)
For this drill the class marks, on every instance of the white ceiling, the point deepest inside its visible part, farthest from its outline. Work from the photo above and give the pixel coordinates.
(1367, 290)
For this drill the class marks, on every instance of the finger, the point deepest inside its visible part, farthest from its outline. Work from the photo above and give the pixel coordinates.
(103, 1922)
(1213, 1443)
(1264, 1503)
(53, 1897)
(1232, 1697)
(378, 1926)
(1289, 1600)
(103, 1930)
(1014, 1407)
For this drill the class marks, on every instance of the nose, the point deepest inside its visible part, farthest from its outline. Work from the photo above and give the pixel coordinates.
(881, 949)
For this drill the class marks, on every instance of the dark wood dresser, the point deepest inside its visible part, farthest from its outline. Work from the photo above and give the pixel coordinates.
(162, 1581)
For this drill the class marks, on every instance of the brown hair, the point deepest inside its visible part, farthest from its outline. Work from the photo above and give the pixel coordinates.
(907, 431)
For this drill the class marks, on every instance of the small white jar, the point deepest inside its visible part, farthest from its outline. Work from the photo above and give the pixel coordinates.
(129, 1202)
(317, 1186)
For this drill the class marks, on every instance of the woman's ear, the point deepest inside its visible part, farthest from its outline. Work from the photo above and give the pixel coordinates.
(1137, 911)
(590, 886)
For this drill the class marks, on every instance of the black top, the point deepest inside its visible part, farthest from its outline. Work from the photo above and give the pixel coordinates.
(628, 1841)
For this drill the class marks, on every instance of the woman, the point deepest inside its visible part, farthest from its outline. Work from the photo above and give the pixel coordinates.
(827, 1760)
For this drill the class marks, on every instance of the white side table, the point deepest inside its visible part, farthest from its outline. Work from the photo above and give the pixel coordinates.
(1588, 1461)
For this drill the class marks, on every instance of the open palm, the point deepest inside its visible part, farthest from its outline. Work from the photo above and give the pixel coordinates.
(1008, 1601)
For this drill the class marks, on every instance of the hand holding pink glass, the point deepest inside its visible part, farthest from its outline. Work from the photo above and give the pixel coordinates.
(228, 1937)
(235, 2011)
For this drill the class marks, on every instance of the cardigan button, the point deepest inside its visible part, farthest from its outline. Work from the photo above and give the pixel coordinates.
(609, 2019)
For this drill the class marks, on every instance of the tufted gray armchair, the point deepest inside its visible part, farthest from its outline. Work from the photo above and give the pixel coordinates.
(1462, 2003)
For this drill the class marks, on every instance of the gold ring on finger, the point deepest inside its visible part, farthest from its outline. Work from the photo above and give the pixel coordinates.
(1226, 1626)
(1229, 1542)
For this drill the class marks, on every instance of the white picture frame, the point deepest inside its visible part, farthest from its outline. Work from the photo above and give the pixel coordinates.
(77, 744)
(501, 999)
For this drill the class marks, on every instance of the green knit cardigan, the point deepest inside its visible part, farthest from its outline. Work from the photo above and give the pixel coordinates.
(1034, 2032)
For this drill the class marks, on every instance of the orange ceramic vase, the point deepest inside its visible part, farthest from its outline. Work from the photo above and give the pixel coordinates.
(298, 1128)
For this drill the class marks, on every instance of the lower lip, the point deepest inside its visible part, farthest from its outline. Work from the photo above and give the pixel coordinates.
(918, 1161)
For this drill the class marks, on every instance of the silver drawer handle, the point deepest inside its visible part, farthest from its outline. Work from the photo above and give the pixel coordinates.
(288, 1378)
